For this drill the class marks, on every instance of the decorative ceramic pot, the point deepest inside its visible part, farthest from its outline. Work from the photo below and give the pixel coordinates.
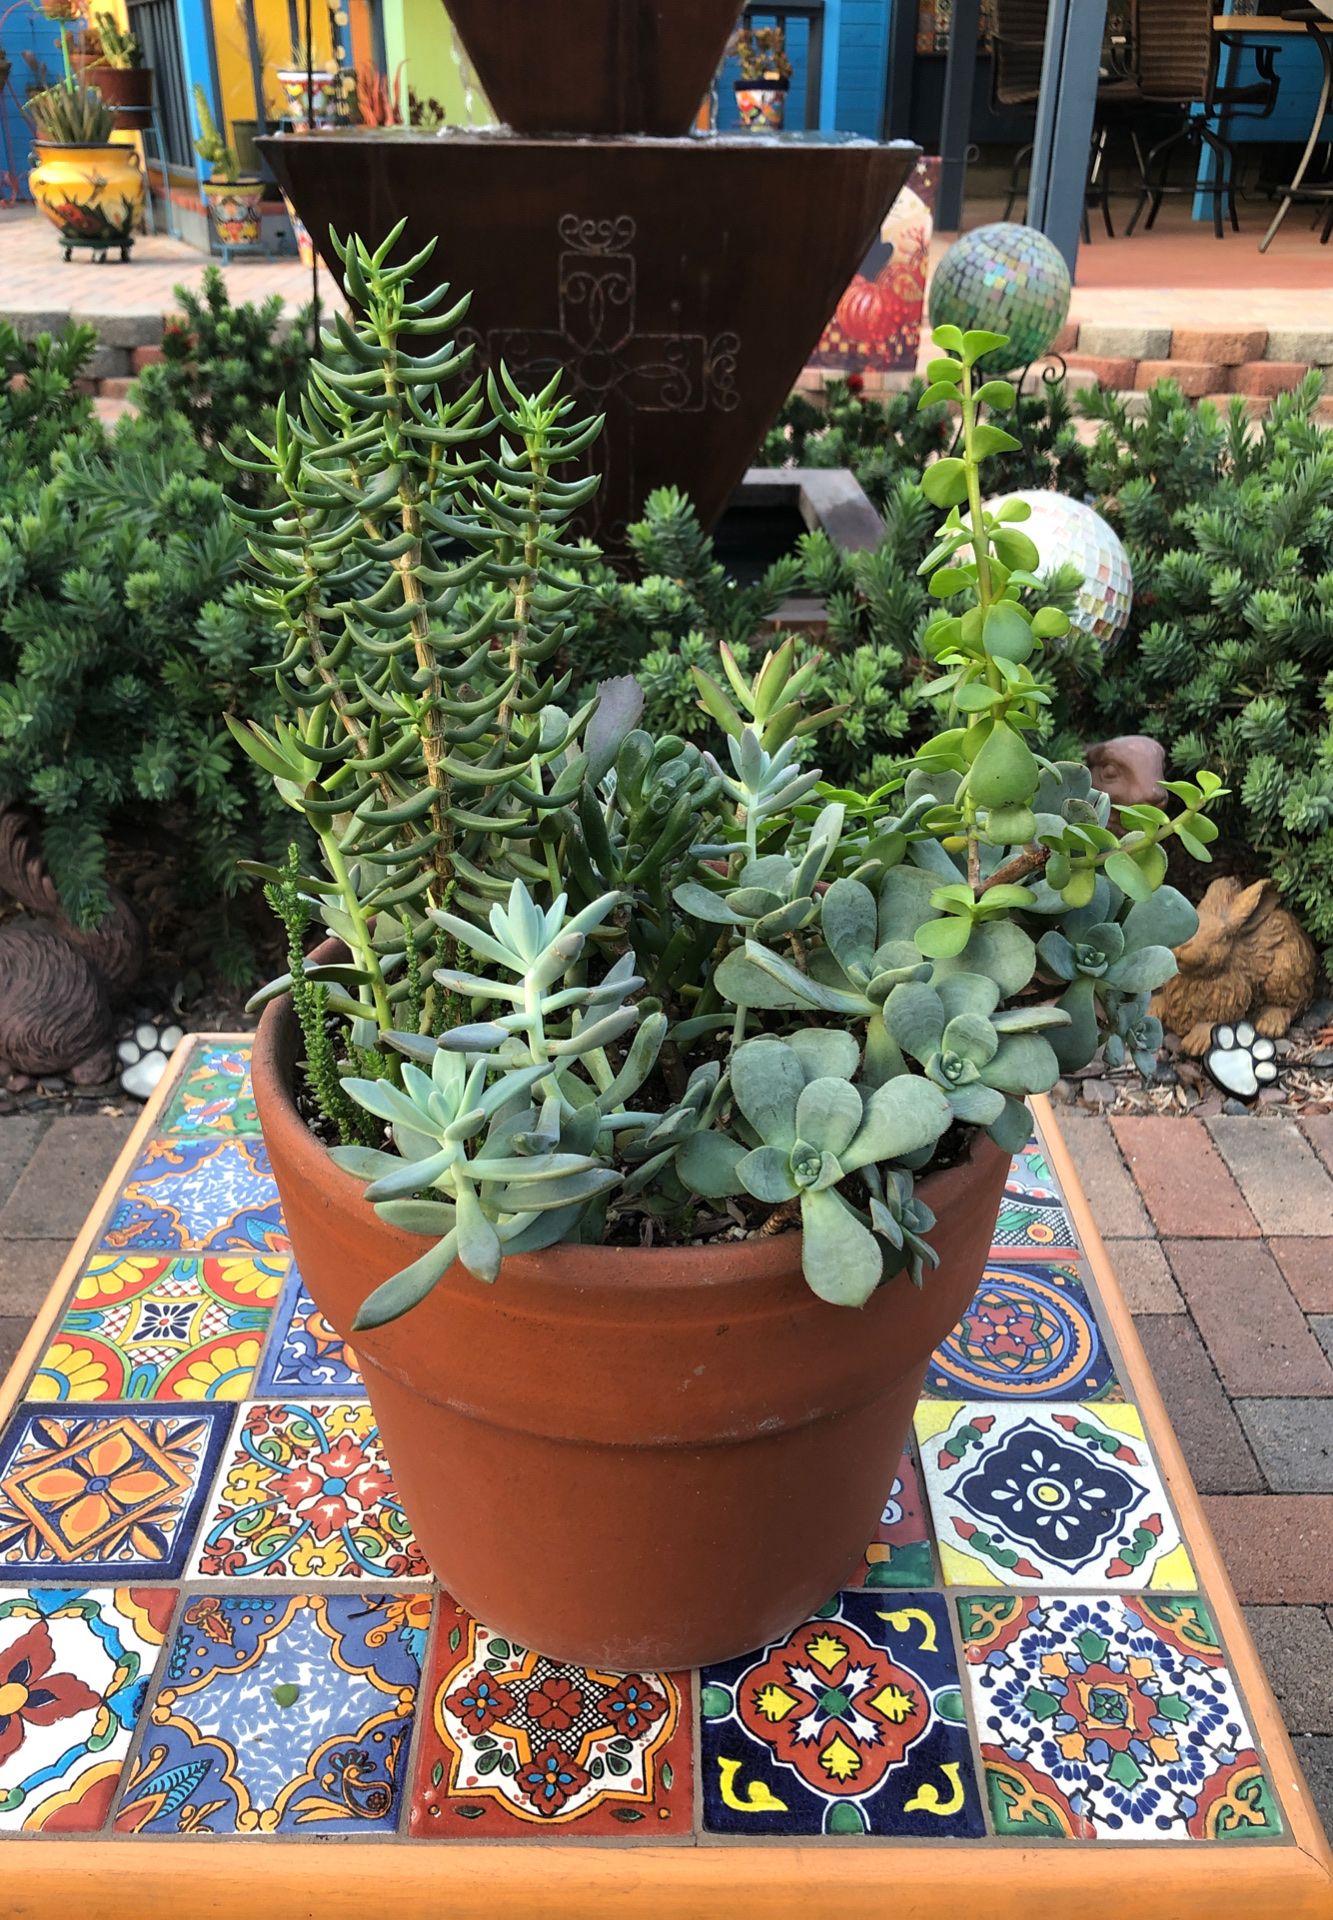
(762, 104)
(630, 1458)
(92, 195)
(323, 84)
(235, 208)
(305, 246)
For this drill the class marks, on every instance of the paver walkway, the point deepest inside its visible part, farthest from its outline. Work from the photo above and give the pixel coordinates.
(1222, 1238)
(1221, 1234)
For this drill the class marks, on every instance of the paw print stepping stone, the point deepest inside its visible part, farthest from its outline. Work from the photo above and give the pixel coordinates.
(1240, 1060)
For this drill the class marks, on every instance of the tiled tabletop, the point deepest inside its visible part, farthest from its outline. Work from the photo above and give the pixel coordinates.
(216, 1629)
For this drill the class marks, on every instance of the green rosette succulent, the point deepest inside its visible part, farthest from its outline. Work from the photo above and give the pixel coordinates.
(815, 1127)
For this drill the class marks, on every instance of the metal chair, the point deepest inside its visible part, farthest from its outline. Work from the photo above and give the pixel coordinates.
(1018, 41)
(1178, 55)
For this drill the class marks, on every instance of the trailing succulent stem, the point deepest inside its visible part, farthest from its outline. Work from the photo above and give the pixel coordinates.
(600, 984)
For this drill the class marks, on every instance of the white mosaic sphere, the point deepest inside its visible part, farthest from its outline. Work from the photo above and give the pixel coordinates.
(1066, 532)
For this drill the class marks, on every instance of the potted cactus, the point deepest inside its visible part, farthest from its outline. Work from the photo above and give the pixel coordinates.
(642, 1113)
(90, 188)
(123, 80)
(761, 91)
(234, 199)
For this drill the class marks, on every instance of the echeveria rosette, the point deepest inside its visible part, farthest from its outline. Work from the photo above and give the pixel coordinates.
(1106, 960)
(984, 1061)
(512, 1192)
(1135, 1034)
(815, 1127)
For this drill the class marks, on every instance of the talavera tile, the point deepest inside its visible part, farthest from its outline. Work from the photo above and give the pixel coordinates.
(516, 1744)
(852, 1724)
(74, 1673)
(1111, 1717)
(280, 1713)
(154, 1326)
(1029, 1333)
(1047, 1493)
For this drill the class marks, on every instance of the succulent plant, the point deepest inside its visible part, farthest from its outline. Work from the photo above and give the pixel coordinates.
(814, 1126)
(598, 985)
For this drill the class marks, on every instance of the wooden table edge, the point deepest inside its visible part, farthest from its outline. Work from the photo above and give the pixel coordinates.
(128, 1877)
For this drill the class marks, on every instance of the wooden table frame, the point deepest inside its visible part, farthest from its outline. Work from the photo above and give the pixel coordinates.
(130, 1877)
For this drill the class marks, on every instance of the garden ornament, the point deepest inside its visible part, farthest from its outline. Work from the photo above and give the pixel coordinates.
(1250, 960)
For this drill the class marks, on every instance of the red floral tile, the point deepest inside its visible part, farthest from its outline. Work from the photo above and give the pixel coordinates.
(519, 1744)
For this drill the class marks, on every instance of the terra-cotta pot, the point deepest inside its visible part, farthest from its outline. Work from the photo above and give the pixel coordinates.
(630, 1458)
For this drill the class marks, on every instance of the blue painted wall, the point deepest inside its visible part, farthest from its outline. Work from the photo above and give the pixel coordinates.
(856, 39)
(26, 30)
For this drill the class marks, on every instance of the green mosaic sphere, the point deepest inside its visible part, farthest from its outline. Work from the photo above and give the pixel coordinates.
(1008, 279)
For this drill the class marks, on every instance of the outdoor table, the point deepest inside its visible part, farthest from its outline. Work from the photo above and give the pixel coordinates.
(228, 1686)
(1319, 26)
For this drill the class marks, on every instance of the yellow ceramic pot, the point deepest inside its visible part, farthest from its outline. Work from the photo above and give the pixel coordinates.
(93, 196)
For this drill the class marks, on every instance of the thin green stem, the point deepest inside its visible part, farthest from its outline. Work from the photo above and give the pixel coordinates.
(363, 946)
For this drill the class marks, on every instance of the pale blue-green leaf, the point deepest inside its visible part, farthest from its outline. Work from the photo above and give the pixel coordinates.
(825, 1052)
(1013, 1128)
(1165, 920)
(405, 1289)
(1076, 1044)
(972, 1037)
(1025, 1063)
(1028, 1019)
(365, 1163)
(767, 1080)
(478, 1243)
(967, 993)
(1000, 950)
(840, 1256)
(766, 1174)
(902, 1116)
(411, 1176)
(707, 1164)
(978, 1105)
(701, 903)
(739, 980)
(914, 1016)
(904, 902)
(435, 1217)
(828, 1114)
(849, 920)
(1142, 971)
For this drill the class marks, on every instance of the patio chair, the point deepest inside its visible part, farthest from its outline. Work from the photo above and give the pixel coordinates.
(1018, 41)
(1178, 56)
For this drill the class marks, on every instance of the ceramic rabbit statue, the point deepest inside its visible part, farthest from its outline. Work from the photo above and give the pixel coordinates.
(1250, 959)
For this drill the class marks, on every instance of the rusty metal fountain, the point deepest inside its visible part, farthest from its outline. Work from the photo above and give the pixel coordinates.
(680, 278)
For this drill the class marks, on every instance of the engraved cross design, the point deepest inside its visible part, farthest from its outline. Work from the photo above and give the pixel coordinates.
(619, 370)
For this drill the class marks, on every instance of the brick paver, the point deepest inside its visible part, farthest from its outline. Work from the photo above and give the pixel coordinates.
(1296, 1647)
(1145, 1278)
(1278, 1547)
(1211, 1437)
(55, 1191)
(1183, 1179)
(1307, 1267)
(1292, 1441)
(1257, 1335)
(1318, 1129)
(1285, 1187)
(19, 1134)
(1111, 1193)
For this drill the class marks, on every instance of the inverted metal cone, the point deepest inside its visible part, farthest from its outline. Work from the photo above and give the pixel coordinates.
(595, 66)
(679, 284)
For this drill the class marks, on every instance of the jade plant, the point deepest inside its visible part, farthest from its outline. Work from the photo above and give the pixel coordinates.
(594, 985)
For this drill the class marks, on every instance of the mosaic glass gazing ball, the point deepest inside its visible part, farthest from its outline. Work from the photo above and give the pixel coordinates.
(1008, 279)
(1065, 532)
